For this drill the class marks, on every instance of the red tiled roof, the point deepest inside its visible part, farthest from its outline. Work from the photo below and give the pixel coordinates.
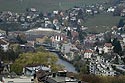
(88, 51)
(108, 44)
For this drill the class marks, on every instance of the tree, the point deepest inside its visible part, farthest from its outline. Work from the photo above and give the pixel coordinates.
(121, 23)
(2, 54)
(91, 79)
(10, 26)
(97, 50)
(80, 14)
(69, 34)
(21, 39)
(119, 79)
(107, 37)
(40, 58)
(10, 55)
(47, 40)
(41, 15)
(82, 35)
(65, 23)
(84, 69)
(103, 79)
(116, 61)
(117, 11)
(41, 49)
(117, 46)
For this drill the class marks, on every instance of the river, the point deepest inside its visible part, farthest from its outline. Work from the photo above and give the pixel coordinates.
(68, 66)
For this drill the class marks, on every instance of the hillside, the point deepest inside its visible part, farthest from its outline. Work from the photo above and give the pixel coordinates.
(43, 5)
(102, 22)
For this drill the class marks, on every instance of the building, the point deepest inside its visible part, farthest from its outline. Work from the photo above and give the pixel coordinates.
(88, 54)
(22, 79)
(108, 48)
(4, 44)
(66, 48)
(30, 70)
(58, 77)
(99, 66)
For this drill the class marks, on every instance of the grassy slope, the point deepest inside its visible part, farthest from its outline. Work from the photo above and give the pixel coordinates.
(102, 22)
(44, 5)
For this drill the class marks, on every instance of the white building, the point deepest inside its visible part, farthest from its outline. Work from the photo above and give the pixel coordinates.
(111, 9)
(30, 70)
(66, 48)
(108, 47)
(56, 39)
(88, 54)
(98, 66)
(4, 44)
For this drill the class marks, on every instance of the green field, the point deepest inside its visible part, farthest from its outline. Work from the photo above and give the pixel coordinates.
(43, 5)
(102, 22)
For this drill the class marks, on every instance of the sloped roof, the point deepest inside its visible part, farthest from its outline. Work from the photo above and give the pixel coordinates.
(40, 67)
(2, 42)
(108, 44)
(88, 51)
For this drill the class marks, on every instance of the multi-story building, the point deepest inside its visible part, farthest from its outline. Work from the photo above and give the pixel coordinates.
(99, 66)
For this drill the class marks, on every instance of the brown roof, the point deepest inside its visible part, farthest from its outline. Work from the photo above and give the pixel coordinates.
(88, 51)
(74, 34)
(108, 44)
(2, 42)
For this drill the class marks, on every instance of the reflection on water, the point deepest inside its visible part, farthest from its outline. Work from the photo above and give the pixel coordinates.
(67, 65)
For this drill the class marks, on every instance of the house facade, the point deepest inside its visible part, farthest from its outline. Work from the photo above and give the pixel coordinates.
(66, 48)
(99, 66)
(30, 70)
(108, 47)
(88, 54)
(4, 44)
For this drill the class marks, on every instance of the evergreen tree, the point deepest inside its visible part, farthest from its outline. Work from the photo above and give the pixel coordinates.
(41, 15)
(117, 46)
(121, 23)
(69, 34)
(21, 40)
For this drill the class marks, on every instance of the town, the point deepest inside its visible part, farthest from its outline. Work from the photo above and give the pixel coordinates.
(61, 33)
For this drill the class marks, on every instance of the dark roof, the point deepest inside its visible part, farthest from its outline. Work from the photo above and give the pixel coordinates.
(2, 42)
(49, 80)
(42, 75)
(108, 44)
(13, 40)
(26, 48)
(108, 56)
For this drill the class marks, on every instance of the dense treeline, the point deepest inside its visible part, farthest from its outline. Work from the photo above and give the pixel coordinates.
(9, 55)
(20, 60)
(103, 79)
(40, 57)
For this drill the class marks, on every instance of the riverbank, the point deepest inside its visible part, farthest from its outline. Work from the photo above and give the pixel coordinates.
(68, 65)
(62, 60)
(61, 55)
